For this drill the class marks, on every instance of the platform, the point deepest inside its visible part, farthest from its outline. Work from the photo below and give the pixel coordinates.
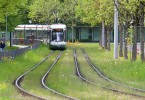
(21, 46)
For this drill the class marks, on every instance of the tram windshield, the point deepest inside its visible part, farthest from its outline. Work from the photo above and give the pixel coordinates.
(57, 35)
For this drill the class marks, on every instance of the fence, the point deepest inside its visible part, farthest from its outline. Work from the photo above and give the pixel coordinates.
(14, 53)
(24, 41)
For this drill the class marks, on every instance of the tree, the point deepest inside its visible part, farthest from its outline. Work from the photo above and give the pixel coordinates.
(95, 12)
(121, 31)
(132, 9)
(69, 14)
(9, 9)
(92, 12)
(41, 11)
(142, 6)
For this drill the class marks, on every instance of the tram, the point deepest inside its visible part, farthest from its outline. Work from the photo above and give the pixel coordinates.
(39, 32)
(54, 34)
(57, 36)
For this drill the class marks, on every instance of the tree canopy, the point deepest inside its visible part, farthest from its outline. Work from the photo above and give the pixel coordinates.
(91, 12)
(10, 8)
(77, 12)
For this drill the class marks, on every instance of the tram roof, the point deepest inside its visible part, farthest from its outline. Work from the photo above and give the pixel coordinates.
(32, 27)
(53, 26)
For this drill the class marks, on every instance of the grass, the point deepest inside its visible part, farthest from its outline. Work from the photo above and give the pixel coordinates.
(35, 77)
(63, 76)
(11, 69)
(91, 75)
(11, 48)
(124, 71)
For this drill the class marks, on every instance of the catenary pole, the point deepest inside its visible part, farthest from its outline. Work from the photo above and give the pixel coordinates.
(6, 26)
(103, 34)
(116, 30)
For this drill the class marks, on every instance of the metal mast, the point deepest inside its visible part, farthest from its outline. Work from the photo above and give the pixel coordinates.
(116, 30)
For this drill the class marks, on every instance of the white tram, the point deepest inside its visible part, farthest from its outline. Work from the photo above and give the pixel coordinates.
(53, 34)
(39, 32)
(58, 35)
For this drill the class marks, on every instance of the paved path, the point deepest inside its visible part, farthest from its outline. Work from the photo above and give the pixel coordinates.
(138, 48)
(21, 46)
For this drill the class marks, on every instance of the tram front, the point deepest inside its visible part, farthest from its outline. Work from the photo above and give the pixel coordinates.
(58, 34)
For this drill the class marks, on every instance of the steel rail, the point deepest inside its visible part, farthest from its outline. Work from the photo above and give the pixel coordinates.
(45, 76)
(84, 79)
(96, 69)
(19, 79)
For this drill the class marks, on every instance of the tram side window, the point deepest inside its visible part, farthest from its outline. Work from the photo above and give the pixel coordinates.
(64, 35)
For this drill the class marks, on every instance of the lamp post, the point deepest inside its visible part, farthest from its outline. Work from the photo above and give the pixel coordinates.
(6, 29)
(116, 30)
(103, 34)
(11, 39)
(6, 24)
(30, 22)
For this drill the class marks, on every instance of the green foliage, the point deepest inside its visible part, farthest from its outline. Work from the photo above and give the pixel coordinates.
(70, 12)
(10, 8)
(131, 6)
(106, 11)
(42, 10)
(45, 11)
(94, 12)
(87, 11)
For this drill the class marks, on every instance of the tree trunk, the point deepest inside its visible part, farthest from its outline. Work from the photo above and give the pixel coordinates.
(142, 32)
(134, 39)
(121, 42)
(105, 37)
(125, 41)
(126, 35)
(100, 37)
(134, 48)
(108, 38)
(72, 32)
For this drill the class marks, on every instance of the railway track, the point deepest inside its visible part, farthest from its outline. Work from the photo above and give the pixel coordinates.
(27, 93)
(20, 79)
(105, 78)
(45, 76)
